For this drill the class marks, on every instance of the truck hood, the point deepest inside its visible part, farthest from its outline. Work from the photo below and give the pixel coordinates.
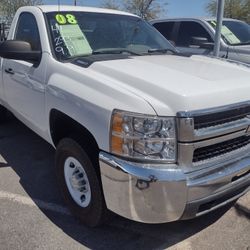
(173, 83)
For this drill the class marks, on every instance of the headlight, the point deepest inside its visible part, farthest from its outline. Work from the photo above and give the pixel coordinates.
(142, 137)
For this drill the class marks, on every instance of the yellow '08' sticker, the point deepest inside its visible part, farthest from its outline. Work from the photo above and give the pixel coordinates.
(66, 19)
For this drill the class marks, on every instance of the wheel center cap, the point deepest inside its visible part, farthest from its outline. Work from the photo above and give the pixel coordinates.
(74, 182)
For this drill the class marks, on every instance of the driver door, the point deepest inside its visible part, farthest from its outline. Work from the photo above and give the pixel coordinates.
(24, 83)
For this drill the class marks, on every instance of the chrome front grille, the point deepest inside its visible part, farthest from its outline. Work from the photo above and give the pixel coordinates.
(205, 135)
(218, 149)
(221, 117)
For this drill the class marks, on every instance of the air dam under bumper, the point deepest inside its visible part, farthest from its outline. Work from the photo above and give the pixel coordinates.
(161, 193)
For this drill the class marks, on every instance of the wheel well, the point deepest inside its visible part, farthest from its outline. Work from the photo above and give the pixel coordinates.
(62, 126)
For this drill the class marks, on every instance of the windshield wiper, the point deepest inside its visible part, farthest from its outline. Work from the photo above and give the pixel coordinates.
(161, 51)
(244, 43)
(103, 52)
(115, 51)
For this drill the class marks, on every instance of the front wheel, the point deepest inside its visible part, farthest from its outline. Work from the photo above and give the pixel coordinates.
(80, 183)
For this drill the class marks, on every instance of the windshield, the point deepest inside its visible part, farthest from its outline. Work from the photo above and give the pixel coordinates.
(75, 34)
(234, 32)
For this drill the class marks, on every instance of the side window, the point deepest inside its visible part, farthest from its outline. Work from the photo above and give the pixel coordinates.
(165, 28)
(27, 30)
(188, 30)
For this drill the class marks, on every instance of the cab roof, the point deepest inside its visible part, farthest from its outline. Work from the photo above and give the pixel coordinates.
(52, 8)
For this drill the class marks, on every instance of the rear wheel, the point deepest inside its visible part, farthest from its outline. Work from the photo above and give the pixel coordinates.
(80, 183)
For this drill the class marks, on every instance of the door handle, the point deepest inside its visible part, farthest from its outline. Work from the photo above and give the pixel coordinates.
(9, 71)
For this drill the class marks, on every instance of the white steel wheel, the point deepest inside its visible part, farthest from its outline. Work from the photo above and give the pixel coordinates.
(80, 182)
(77, 182)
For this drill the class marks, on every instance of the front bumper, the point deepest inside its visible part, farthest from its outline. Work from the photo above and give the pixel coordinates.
(157, 193)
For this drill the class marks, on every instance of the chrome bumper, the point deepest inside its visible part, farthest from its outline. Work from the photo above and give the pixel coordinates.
(158, 193)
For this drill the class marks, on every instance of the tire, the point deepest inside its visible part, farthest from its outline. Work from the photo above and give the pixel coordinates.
(3, 113)
(80, 183)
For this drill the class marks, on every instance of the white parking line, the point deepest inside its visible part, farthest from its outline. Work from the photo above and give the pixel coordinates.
(186, 244)
(34, 202)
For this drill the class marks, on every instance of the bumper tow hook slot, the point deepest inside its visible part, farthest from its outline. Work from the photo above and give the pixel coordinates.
(143, 184)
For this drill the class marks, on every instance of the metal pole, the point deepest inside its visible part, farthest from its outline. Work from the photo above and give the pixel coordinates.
(220, 13)
(75, 2)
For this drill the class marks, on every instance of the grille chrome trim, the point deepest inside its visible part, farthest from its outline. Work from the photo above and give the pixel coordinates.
(212, 163)
(190, 114)
(190, 139)
(187, 133)
(214, 150)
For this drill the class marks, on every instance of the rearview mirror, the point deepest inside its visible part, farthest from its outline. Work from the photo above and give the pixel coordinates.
(19, 50)
(202, 42)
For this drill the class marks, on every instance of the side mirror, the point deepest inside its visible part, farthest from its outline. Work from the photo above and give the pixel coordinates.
(202, 42)
(19, 50)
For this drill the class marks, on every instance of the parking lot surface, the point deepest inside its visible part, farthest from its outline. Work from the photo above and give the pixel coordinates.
(33, 215)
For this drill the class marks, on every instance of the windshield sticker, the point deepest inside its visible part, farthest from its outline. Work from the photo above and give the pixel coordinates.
(74, 40)
(69, 40)
(228, 34)
(66, 19)
(213, 23)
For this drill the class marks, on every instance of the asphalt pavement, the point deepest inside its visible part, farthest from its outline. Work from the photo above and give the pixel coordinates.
(33, 215)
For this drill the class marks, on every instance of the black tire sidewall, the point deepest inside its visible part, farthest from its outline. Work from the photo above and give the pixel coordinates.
(3, 113)
(93, 213)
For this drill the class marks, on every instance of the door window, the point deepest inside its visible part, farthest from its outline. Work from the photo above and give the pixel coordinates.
(188, 30)
(165, 28)
(27, 30)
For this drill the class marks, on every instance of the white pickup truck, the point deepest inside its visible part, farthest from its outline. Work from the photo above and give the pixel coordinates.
(138, 129)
